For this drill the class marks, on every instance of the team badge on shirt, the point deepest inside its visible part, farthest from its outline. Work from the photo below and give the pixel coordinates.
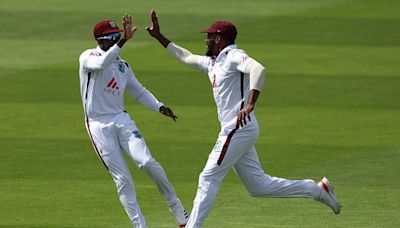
(137, 134)
(121, 67)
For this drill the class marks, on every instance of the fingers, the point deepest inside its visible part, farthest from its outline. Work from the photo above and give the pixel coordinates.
(127, 20)
(153, 15)
(168, 112)
(134, 29)
(241, 119)
(174, 117)
(171, 114)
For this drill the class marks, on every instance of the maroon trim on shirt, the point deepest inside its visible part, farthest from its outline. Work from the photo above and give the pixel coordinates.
(87, 123)
(87, 85)
(241, 88)
(230, 135)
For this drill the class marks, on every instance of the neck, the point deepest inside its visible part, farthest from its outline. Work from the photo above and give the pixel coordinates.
(222, 47)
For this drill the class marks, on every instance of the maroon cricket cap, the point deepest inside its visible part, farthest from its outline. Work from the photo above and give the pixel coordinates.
(105, 27)
(225, 28)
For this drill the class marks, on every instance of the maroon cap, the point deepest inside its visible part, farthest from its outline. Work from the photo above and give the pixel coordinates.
(105, 27)
(225, 28)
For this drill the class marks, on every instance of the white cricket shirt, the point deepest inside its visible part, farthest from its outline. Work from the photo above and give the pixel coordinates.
(104, 77)
(230, 85)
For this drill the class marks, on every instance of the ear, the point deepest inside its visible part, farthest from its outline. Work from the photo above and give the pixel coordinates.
(218, 39)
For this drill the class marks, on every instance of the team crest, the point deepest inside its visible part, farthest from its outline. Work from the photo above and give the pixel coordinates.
(112, 24)
(121, 67)
(137, 134)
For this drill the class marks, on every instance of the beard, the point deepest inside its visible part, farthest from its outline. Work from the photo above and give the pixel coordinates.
(210, 48)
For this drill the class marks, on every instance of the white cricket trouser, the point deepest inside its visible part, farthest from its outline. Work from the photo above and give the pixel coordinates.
(110, 136)
(236, 150)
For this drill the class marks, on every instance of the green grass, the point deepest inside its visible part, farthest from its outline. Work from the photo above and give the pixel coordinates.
(330, 106)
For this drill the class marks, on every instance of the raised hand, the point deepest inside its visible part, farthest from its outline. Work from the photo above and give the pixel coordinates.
(129, 29)
(154, 29)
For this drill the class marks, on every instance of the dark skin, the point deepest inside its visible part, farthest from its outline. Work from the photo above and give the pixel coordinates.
(215, 44)
(129, 31)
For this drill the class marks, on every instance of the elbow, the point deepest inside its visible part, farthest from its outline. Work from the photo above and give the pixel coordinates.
(263, 74)
(263, 71)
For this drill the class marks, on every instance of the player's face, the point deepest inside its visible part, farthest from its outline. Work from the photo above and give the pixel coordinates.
(211, 44)
(106, 42)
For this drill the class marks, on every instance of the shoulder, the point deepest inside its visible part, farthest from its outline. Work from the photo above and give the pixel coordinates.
(122, 61)
(89, 52)
(205, 62)
(237, 55)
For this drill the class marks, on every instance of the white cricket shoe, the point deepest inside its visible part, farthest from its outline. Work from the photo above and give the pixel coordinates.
(181, 216)
(328, 196)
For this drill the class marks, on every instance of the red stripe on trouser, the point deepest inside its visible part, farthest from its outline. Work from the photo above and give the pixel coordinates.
(94, 144)
(225, 147)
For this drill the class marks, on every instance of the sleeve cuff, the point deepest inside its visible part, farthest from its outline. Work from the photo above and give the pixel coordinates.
(159, 105)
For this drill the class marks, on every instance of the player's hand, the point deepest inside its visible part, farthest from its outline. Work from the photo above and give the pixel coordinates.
(244, 114)
(129, 28)
(168, 112)
(154, 29)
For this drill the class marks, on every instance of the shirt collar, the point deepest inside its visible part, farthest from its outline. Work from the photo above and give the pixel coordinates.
(226, 50)
(98, 49)
(101, 51)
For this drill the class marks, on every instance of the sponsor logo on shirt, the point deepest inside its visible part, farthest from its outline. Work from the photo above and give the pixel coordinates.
(112, 88)
(93, 53)
(214, 83)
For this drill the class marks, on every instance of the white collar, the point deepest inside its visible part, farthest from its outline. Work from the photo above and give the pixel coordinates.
(98, 49)
(101, 51)
(226, 50)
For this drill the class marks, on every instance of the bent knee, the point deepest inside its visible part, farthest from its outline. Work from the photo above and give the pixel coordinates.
(149, 163)
(256, 193)
(122, 183)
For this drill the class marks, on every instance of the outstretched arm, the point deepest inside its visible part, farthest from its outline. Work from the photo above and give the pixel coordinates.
(140, 93)
(154, 29)
(180, 53)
